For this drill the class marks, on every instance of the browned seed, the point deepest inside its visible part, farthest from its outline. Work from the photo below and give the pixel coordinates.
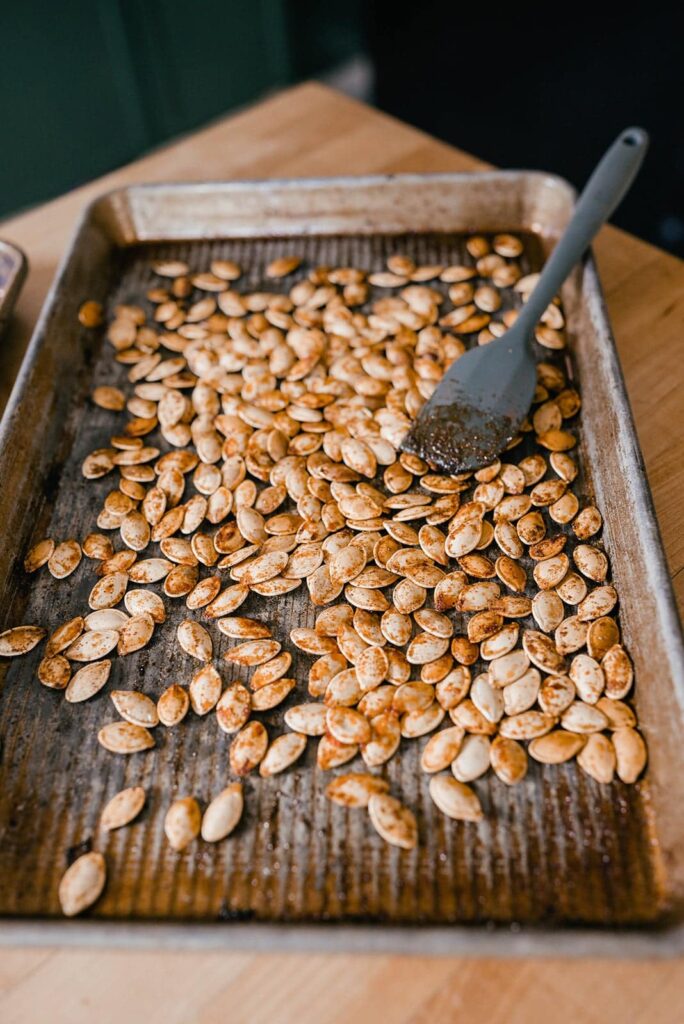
(64, 635)
(330, 753)
(271, 670)
(617, 712)
(124, 738)
(501, 642)
(205, 689)
(93, 645)
(195, 640)
(248, 748)
(282, 266)
(253, 652)
(82, 883)
(542, 652)
(54, 672)
(597, 758)
(441, 749)
(455, 799)
(372, 667)
(527, 725)
(108, 591)
(602, 634)
(451, 690)
(618, 672)
(509, 760)
(64, 559)
(135, 634)
(630, 753)
(271, 695)
(233, 708)
(223, 813)
(587, 523)
(395, 823)
(90, 313)
(323, 670)
(173, 705)
(39, 555)
(182, 822)
(557, 746)
(354, 789)
(310, 641)
(228, 601)
(384, 741)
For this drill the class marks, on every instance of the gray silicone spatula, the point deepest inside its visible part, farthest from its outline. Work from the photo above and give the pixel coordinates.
(485, 395)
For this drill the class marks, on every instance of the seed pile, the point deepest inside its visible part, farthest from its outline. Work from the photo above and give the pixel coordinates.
(476, 610)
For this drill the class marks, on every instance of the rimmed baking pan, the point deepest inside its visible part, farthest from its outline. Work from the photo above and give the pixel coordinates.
(559, 864)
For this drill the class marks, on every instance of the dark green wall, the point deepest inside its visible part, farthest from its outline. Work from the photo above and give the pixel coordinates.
(87, 85)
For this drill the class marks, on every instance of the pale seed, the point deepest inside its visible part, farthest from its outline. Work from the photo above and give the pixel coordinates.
(455, 799)
(282, 753)
(124, 738)
(395, 823)
(223, 813)
(82, 883)
(173, 705)
(195, 640)
(123, 808)
(182, 822)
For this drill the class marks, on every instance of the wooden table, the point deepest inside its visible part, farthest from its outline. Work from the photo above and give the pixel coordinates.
(310, 131)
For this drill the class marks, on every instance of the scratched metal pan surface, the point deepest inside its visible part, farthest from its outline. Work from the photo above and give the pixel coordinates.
(559, 863)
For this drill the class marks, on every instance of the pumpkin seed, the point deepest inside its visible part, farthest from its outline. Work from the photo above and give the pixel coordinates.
(473, 758)
(223, 813)
(135, 707)
(195, 640)
(508, 759)
(455, 799)
(182, 822)
(82, 883)
(123, 808)
(248, 748)
(630, 753)
(556, 747)
(173, 705)
(124, 738)
(597, 758)
(20, 640)
(392, 821)
(54, 672)
(64, 559)
(39, 555)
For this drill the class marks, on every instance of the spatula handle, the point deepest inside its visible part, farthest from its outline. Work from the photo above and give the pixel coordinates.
(602, 194)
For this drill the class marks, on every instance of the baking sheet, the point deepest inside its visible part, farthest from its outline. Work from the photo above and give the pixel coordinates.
(557, 851)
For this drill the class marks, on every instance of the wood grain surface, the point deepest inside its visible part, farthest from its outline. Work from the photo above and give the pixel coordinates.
(311, 131)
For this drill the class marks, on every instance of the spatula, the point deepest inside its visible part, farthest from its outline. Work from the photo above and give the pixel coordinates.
(481, 401)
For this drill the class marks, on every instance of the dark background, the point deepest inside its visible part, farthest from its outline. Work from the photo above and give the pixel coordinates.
(86, 85)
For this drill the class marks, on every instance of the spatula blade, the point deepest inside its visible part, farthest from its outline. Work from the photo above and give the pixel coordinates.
(478, 407)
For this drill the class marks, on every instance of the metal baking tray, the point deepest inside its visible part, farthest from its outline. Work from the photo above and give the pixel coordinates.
(560, 864)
